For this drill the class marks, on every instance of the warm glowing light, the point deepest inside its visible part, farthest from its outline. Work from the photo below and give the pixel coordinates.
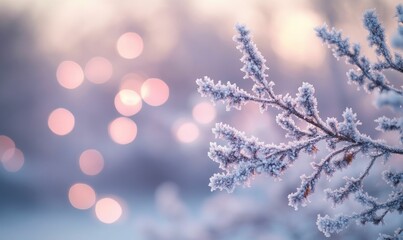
(82, 196)
(154, 92)
(294, 36)
(63, 27)
(12, 159)
(128, 102)
(6, 143)
(161, 35)
(91, 162)
(98, 70)
(187, 132)
(130, 45)
(132, 81)
(204, 112)
(122, 130)
(108, 210)
(61, 121)
(69, 74)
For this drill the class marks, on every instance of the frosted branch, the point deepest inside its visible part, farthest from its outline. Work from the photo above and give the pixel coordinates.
(341, 47)
(242, 157)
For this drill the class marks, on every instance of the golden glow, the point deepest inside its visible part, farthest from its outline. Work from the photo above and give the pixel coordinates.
(128, 102)
(82, 196)
(64, 27)
(204, 112)
(130, 45)
(161, 35)
(294, 37)
(69, 74)
(187, 132)
(91, 162)
(6, 143)
(98, 70)
(61, 121)
(108, 210)
(122, 130)
(12, 159)
(154, 92)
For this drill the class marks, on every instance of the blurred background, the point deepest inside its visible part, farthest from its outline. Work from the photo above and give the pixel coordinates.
(103, 134)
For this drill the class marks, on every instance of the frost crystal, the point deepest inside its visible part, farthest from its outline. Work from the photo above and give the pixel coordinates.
(328, 225)
(393, 178)
(306, 99)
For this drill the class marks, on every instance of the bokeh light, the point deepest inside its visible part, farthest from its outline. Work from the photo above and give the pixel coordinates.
(187, 132)
(12, 159)
(6, 143)
(122, 130)
(132, 81)
(108, 210)
(61, 121)
(98, 70)
(69, 74)
(82, 196)
(91, 162)
(154, 92)
(128, 102)
(204, 112)
(130, 45)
